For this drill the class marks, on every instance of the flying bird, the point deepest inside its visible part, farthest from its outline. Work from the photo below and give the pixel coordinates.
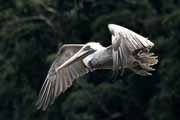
(129, 50)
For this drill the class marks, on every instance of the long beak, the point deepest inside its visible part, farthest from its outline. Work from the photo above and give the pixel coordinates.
(74, 58)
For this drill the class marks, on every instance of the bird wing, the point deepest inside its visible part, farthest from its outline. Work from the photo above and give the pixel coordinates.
(57, 82)
(124, 43)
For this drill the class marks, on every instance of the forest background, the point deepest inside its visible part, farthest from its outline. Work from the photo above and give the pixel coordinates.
(31, 31)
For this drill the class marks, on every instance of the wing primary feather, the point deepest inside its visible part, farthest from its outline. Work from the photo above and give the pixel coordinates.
(57, 82)
(44, 90)
(42, 101)
(69, 81)
(62, 81)
(56, 86)
(49, 95)
(54, 91)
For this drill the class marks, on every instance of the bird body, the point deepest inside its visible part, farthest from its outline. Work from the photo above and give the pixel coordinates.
(97, 53)
(128, 50)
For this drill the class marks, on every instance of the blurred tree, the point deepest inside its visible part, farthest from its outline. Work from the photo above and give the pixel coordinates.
(31, 32)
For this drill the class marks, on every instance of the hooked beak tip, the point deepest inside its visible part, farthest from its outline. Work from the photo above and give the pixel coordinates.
(56, 69)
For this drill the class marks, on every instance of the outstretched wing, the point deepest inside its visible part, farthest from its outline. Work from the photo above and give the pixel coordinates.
(124, 43)
(57, 82)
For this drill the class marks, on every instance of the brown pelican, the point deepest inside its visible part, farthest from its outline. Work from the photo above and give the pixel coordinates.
(128, 50)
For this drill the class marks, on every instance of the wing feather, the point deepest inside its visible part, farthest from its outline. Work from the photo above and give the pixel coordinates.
(57, 82)
(127, 42)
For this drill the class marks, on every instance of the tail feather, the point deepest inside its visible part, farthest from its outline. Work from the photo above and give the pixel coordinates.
(152, 60)
(148, 58)
(144, 62)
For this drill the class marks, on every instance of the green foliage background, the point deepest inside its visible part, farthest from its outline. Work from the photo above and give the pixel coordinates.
(31, 32)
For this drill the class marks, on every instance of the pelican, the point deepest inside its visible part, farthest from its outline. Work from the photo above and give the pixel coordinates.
(128, 50)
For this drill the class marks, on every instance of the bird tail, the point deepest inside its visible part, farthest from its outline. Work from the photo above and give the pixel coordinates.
(149, 58)
(144, 62)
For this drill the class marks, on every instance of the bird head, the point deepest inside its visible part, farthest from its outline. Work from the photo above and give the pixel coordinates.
(94, 46)
(84, 51)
